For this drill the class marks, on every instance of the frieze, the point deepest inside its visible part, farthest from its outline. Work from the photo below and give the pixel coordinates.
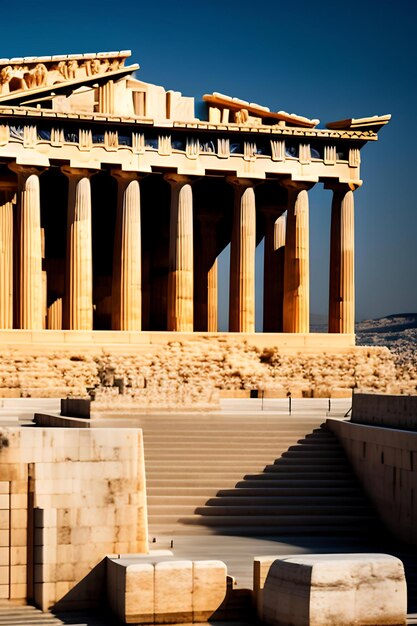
(192, 146)
(27, 74)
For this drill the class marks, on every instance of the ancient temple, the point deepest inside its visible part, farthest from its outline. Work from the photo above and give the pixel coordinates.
(116, 201)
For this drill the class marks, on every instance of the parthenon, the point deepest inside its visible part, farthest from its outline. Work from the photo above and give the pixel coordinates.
(116, 201)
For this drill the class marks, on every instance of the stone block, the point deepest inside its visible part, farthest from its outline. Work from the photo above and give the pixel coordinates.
(18, 574)
(4, 556)
(209, 588)
(18, 501)
(4, 500)
(18, 591)
(342, 589)
(4, 520)
(4, 538)
(18, 518)
(139, 600)
(173, 592)
(4, 592)
(18, 555)
(4, 575)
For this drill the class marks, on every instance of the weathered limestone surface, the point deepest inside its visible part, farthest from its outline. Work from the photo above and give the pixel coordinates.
(242, 259)
(342, 589)
(297, 273)
(72, 496)
(127, 294)
(181, 276)
(7, 196)
(165, 591)
(342, 263)
(29, 257)
(79, 309)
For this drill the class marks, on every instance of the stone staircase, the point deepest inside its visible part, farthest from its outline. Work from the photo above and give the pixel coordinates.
(251, 476)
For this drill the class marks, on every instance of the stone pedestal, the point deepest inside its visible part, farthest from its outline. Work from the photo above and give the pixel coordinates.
(242, 259)
(205, 283)
(296, 271)
(7, 198)
(342, 263)
(181, 264)
(29, 255)
(274, 253)
(126, 287)
(79, 287)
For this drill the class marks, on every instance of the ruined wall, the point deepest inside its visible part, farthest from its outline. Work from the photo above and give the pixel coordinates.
(68, 498)
(188, 371)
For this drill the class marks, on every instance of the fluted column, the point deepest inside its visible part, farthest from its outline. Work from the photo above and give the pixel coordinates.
(127, 263)
(242, 258)
(7, 198)
(79, 283)
(30, 307)
(342, 262)
(181, 260)
(274, 251)
(206, 314)
(296, 272)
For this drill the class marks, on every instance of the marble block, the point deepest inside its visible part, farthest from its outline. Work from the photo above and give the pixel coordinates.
(342, 589)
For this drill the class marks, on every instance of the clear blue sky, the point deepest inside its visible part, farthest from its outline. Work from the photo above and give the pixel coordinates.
(322, 59)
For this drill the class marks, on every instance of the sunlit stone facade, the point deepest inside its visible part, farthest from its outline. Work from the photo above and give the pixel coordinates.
(116, 201)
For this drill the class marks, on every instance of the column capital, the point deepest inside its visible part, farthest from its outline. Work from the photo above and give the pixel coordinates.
(127, 175)
(179, 179)
(241, 182)
(26, 170)
(77, 172)
(339, 187)
(297, 185)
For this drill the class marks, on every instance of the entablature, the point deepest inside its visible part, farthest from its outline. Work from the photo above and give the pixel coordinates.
(44, 140)
(319, 133)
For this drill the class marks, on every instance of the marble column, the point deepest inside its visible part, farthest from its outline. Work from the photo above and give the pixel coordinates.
(296, 271)
(79, 274)
(242, 258)
(274, 251)
(30, 305)
(127, 262)
(342, 262)
(206, 314)
(7, 199)
(180, 314)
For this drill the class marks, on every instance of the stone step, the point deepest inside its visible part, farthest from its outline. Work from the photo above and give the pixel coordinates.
(264, 480)
(237, 501)
(269, 520)
(347, 531)
(256, 510)
(267, 492)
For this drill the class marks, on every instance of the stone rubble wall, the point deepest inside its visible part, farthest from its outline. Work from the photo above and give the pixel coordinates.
(195, 372)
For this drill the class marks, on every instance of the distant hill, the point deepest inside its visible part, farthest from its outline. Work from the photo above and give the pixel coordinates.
(398, 331)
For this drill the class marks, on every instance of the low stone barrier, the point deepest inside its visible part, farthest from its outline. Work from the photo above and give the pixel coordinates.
(165, 592)
(385, 410)
(324, 590)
